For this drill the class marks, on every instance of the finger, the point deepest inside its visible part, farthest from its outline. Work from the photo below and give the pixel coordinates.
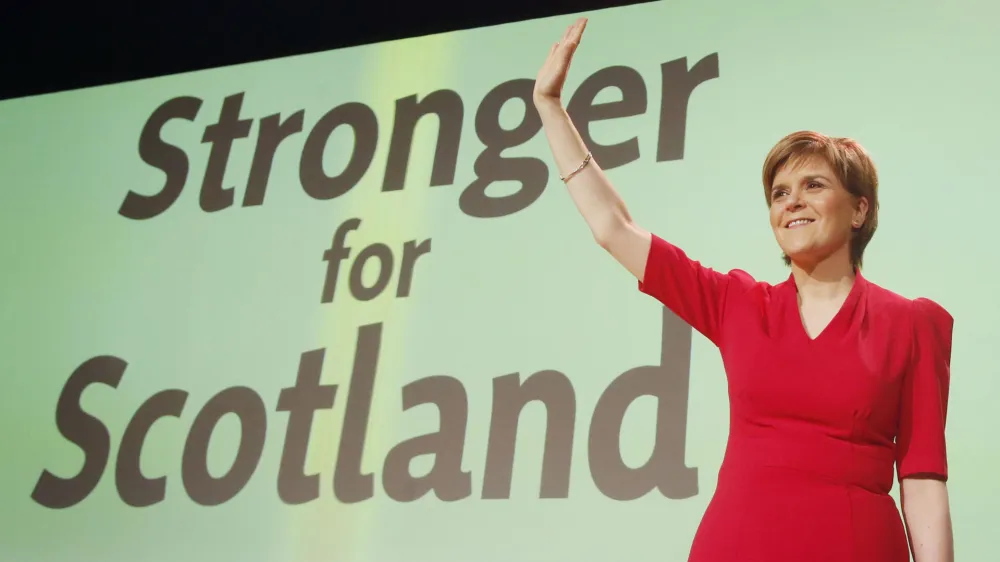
(577, 32)
(551, 56)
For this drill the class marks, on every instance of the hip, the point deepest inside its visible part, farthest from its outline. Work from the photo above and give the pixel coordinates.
(782, 515)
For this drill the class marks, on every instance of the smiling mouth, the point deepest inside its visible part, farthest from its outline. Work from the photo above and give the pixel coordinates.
(798, 222)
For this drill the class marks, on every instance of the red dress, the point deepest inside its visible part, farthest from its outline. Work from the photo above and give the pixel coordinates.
(816, 425)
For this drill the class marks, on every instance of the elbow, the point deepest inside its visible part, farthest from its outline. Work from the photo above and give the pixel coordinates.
(609, 230)
(924, 494)
(602, 239)
(925, 505)
(928, 519)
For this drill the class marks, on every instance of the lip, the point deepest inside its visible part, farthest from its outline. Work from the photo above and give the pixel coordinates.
(809, 221)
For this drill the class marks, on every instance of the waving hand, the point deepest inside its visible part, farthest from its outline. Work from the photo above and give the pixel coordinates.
(552, 76)
(593, 194)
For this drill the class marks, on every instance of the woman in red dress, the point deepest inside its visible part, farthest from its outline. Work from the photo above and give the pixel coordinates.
(835, 383)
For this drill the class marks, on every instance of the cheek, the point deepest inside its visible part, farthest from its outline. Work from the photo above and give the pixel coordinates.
(842, 220)
(775, 217)
(838, 212)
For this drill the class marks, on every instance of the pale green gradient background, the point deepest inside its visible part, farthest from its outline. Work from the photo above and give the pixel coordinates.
(206, 301)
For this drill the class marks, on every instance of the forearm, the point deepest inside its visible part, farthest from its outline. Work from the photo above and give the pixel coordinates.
(928, 520)
(596, 199)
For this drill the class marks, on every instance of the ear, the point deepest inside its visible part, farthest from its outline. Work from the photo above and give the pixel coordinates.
(860, 212)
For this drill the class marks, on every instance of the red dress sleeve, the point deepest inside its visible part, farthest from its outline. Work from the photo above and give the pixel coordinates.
(695, 293)
(920, 442)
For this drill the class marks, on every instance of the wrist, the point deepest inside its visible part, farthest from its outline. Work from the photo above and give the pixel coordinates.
(547, 103)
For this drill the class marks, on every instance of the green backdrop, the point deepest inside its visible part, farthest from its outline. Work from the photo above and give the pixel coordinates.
(202, 301)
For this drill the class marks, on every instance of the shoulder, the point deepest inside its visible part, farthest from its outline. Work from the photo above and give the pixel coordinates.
(741, 277)
(746, 289)
(929, 321)
(884, 301)
(926, 310)
(932, 326)
(744, 282)
(913, 309)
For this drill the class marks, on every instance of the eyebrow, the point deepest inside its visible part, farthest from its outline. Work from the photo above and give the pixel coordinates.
(817, 177)
(810, 177)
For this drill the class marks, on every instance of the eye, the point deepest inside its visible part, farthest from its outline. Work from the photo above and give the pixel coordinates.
(814, 185)
(777, 194)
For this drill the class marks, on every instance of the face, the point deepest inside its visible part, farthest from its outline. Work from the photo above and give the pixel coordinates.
(812, 214)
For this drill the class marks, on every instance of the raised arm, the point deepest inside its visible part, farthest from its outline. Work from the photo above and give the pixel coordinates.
(695, 293)
(596, 199)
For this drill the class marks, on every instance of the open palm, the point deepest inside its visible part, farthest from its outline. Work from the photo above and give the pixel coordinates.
(552, 76)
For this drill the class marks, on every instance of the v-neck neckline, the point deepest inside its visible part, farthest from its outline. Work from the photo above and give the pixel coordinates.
(841, 321)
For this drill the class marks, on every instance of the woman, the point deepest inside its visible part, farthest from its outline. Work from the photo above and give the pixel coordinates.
(833, 380)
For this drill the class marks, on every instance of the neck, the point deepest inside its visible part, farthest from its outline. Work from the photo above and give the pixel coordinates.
(828, 279)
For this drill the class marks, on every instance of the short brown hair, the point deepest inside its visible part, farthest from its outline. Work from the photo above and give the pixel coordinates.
(849, 160)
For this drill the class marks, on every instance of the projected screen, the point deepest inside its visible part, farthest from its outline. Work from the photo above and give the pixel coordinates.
(340, 307)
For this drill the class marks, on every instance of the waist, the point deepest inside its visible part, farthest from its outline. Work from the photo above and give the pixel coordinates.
(827, 459)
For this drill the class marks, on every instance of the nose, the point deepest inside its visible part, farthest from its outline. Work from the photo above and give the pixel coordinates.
(793, 201)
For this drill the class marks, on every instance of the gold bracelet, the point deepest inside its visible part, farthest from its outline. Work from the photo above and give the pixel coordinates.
(583, 165)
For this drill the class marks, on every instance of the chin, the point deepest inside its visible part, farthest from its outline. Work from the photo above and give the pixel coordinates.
(800, 256)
